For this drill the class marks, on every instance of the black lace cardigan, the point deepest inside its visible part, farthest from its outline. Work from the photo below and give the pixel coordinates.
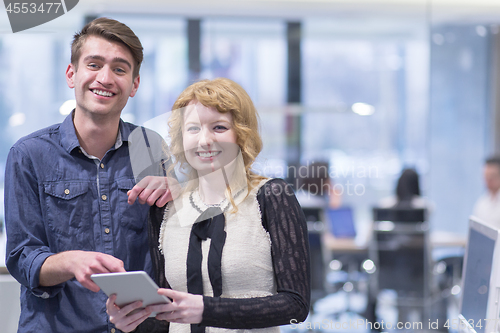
(283, 219)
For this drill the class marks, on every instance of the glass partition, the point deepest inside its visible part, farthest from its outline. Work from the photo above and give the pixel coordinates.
(365, 104)
(252, 52)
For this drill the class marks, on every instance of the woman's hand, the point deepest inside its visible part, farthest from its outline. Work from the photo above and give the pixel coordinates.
(128, 317)
(185, 308)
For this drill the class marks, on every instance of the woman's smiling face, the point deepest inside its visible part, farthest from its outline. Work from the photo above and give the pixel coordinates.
(209, 138)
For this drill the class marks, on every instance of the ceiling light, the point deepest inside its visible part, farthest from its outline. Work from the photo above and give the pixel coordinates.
(17, 119)
(363, 109)
(67, 107)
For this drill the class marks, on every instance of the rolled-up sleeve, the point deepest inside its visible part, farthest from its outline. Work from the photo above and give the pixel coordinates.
(27, 244)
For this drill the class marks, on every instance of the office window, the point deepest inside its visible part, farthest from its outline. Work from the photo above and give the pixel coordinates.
(164, 71)
(253, 54)
(460, 119)
(32, 88)
(364, 103)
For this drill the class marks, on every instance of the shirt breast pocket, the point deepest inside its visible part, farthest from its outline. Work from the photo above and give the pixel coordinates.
(133, 216)
(68, 208)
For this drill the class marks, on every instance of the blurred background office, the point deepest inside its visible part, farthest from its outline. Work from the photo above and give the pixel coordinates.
(367, 87)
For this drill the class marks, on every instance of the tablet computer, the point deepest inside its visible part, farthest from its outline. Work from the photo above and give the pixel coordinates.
(130, 287)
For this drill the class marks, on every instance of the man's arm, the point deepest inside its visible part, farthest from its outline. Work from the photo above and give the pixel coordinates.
(64, 266)
(27, 244)
(29, 258)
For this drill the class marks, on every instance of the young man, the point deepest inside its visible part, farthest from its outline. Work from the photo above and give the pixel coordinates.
(487, 207)
(66, 209)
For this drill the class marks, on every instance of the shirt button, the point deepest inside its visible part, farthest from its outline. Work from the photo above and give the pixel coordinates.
(104, 197)
(102, 165)
(66, 191)
(106, 230)
(113, 330)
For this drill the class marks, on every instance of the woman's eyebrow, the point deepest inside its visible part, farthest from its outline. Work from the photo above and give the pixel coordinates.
(221, 120)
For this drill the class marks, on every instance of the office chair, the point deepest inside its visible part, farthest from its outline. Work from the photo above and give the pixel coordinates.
(401, 251)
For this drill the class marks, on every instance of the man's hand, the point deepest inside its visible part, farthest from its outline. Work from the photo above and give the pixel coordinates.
(81, 265)
(154, 189)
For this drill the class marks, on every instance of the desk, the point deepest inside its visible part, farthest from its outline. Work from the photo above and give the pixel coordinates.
(10, 307)
(3, 240)
(3, 269)
(438, 239)
(354, 245)
(447, 239)
(360, 244)
(355, 249)
(350, 251)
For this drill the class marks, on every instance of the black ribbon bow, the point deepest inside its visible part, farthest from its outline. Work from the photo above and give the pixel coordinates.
(210, 224)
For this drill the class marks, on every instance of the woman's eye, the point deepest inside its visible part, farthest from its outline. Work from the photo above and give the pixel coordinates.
(220, 128)
(193, 129)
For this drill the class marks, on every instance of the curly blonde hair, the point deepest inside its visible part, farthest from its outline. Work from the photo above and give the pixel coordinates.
(225, 96)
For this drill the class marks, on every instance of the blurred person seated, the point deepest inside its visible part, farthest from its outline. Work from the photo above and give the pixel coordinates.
(315, 188)
(407, 193)
(487, 207)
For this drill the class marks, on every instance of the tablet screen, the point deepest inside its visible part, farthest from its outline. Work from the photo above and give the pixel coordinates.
(130, 287)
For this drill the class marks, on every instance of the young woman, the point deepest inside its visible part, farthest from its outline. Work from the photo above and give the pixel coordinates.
(233, 246)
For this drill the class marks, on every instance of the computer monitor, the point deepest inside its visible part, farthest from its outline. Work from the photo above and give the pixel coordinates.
(479, 308)
(341, 222)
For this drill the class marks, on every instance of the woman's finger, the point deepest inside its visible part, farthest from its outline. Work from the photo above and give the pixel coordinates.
(172, 294)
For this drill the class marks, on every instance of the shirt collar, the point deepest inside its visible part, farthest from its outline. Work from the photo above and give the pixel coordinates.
(69, 140)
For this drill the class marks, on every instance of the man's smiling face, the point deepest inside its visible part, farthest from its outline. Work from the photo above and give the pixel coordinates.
(103, 79)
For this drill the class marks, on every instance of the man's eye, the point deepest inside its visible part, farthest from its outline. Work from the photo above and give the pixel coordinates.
(120, 71)
(93, 66)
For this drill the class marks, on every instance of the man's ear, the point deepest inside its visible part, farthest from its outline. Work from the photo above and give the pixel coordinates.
(70, 75)
(135, 84)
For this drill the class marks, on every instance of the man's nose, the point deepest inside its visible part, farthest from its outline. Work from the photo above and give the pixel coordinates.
(104, 76)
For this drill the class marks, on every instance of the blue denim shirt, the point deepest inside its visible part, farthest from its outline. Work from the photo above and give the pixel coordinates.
(57, 199)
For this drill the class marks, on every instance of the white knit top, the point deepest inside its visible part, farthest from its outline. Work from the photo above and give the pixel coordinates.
(247, 269)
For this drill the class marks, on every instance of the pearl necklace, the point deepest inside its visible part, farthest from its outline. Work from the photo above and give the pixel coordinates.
(224, 204)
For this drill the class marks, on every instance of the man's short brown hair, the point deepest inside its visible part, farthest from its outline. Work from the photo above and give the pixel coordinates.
(493, 160)
(113, 31)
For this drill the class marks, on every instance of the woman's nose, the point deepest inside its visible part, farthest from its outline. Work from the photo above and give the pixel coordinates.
(206, 138)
